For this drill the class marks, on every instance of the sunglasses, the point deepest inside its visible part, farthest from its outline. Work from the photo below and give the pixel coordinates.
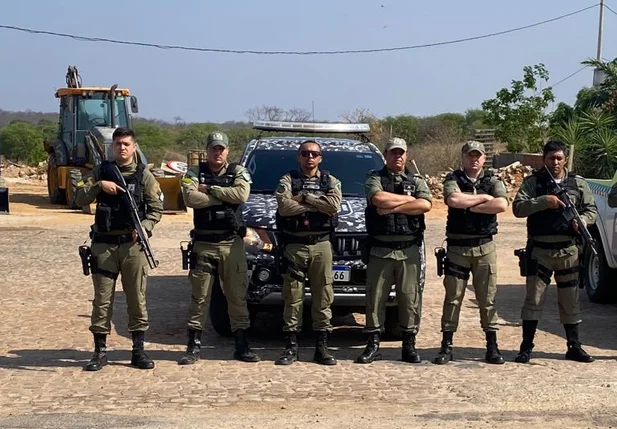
(306, 153)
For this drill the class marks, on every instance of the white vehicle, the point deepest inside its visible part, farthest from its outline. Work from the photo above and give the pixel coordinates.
(600, 272)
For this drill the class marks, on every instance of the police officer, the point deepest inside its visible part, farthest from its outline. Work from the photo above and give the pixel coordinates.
(216, 190)
(552, 247)
(474, 197)
(396, 203)
(114, 245)
(308, 202)
(2, 181)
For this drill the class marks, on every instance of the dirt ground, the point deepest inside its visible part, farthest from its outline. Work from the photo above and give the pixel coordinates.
(44, 343)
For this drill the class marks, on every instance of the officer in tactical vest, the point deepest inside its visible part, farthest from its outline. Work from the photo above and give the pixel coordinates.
(474, 197)
(552, 247)
(114, 245)
(216, 191)
(396, 203)
(308, 200)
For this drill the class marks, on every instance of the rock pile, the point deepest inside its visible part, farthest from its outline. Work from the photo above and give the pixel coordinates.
(25, 172)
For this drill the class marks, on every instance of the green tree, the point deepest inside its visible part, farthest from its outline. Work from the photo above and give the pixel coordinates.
(49, 129)
(193, 136)
(22, 142)
(151, 135)
(594, 137)
(404, 126)
(561, 115)
(604, 96)
(518, 114)
(475, 119)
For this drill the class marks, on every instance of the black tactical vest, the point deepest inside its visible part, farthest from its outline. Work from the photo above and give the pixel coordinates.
(394, 223)
(313, 220)
(461, 221)
(111, 213)
(552, 221)
(224, 217)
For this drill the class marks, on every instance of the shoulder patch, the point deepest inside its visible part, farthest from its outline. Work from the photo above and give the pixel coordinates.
(245, 175)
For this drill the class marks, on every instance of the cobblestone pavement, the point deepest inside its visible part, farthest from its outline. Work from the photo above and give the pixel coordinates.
(44, 318)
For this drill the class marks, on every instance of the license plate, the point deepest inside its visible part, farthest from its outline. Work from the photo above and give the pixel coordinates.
(341, 273)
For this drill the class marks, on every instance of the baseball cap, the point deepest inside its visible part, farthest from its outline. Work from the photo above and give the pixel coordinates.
(396, 143)
(217, 138)
(474, 145)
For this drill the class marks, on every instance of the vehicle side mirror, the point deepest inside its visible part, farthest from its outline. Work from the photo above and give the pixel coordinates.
(134, 104)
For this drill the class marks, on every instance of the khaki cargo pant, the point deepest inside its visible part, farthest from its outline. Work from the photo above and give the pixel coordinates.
(227, 260)
(457, 270)
(406, 275)
(563, 263)
(315, 262)
(130, 262)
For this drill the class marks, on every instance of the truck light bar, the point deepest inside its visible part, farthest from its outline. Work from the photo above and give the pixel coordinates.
(314, 127)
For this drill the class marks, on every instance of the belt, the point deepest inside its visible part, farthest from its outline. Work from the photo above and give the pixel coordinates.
(112, 238)
(552, 246)
(395, 245)
(305, 239)
(214, 238)
(469, 242)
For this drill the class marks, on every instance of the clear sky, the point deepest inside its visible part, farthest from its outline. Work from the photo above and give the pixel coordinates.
(219, 87)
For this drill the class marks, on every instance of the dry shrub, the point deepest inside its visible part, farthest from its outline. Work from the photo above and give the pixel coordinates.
(440, 152)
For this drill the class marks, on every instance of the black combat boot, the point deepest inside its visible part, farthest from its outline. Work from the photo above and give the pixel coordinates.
(371, 351)
(99, 358)
(290, 355)
(192, 349)
(243, 352)
(139, 358)
(322, 355)
(529, 332)
(445, 352)
(409, 353)
(575, 350)
(493, 355)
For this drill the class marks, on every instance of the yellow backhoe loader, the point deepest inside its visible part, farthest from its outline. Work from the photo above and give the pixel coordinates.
(88, 117)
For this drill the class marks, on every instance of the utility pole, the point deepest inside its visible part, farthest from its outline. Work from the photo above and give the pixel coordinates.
(600, 27)
(598, 75)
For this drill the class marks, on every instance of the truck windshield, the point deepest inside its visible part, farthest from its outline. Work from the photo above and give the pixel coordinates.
(267, 166)
(95, 111)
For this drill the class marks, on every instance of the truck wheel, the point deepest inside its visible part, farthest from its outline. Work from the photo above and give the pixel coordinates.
(392, 329)
(71, 188)
(219, 315)
(597, 276)
(56, 195)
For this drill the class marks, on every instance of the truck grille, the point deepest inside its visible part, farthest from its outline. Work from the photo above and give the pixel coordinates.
(348, 247)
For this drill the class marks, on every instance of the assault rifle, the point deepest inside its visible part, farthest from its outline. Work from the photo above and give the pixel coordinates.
(127, 198)
(570, 213)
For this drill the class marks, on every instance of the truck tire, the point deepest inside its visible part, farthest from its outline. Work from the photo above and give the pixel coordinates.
(598, 276)
(71, 188)
(219, 315)
(56, 195)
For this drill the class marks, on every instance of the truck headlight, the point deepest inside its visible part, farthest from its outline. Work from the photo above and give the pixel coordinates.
(258, 239)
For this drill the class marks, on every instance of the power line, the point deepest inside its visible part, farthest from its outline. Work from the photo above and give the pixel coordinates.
(609, 8)
(245, 51)
(569, 76)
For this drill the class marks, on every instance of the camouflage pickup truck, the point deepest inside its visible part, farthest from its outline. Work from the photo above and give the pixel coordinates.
(600, 272)
(349, 156)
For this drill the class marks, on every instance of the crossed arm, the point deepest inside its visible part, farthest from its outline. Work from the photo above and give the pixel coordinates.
(387, 202)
